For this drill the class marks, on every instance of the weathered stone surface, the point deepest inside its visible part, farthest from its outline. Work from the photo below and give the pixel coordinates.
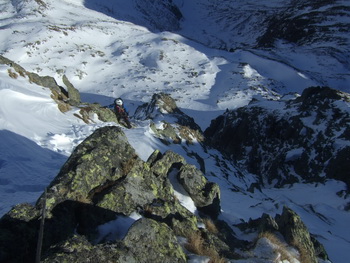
(296, 233)
(169, 123)
(73, 93)
(162, 166)
(102, 180)
(150, 241)
(103, 158)
(206, 195)
(79, 250)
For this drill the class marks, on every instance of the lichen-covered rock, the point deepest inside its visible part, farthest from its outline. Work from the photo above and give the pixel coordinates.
(206, 195)
(103, 158)
(104, 180)
(79, 250)
(151, 241)
(88, 111)
(162, 166)
(168, 122)
(138, 188)
(296, 233)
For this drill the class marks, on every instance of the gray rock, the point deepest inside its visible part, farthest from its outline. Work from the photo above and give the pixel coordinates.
(296, 233)
(206, 195)
(73, 93)
(176, 125)
(151, 241)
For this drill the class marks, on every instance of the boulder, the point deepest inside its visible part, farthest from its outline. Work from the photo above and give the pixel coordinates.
(168, 122)
(151, 241)
(99, 161)
(296, 233)
(206, 195)
(79, 250)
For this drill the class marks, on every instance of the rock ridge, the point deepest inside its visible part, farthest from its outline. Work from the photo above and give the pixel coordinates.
(107, 205)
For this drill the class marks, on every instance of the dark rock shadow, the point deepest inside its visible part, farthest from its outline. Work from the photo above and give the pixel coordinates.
(19, 228)
(154, 15)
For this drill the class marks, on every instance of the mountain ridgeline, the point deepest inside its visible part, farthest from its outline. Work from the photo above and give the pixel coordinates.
(104, 183)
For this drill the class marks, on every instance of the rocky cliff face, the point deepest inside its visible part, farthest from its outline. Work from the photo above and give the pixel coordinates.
(293, 140)
(104, 182)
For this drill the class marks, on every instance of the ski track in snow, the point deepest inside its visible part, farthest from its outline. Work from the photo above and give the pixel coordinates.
(127, 60)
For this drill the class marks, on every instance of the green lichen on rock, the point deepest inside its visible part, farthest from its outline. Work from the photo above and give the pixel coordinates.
(168, 122)
(162, 166)
(103, 157)
(205, 194)
(296, 233)
(151, 241)
(103, 180)
(79, 250)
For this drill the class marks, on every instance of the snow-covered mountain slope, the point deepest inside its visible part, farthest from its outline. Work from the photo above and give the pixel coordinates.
(310, 36)
(117, 51)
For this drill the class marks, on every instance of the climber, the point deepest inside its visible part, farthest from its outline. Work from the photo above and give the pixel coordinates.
(121, 112)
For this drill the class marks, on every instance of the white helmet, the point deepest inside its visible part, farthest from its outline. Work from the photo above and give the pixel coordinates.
(118, 101)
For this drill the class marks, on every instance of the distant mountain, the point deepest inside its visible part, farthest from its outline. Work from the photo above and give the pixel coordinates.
(290, 29)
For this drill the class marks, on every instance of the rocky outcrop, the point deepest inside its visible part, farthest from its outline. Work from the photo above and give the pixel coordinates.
(164, 248)
(107, 205)
(73, 93)
(287, 141)
(101, 182)
(59, 94)
(293, 231)
(168, 122)
(147, 241)
(65, 99)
